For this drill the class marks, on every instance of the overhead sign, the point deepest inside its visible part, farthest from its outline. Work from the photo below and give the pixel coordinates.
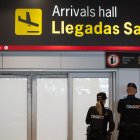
(74, 25)
(28, 22)
(122, 60)
(113, 60)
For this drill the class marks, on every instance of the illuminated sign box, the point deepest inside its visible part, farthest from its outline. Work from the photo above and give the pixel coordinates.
(73, 26)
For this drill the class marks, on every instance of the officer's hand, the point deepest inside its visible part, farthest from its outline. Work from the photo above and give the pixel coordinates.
(109, 135)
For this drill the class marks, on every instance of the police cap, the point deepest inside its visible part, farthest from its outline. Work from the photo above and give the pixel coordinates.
(101, 96)
(132, 85)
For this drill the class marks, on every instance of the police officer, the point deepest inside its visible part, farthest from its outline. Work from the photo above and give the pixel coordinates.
(97, 118)
(129, 109)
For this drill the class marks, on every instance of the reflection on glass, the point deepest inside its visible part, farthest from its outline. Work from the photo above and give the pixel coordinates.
(13, 109)
(52, 109)
(84, 96)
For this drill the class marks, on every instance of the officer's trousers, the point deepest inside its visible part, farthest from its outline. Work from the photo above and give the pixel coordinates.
(128, 138)
(135, 137)
(97, 138)
(129, 135)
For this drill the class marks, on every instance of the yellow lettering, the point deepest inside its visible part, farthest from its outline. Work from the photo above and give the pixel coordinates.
(128, 28)
(69, 29)
(78, 30)
(53, 28)
(137, 30)
(116, 30)
(107, 29)
(88, 29)
(62, 27)
(98, 28)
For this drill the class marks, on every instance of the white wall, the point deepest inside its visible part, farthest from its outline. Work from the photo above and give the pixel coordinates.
(54, 60)
(31, 60)
(82, 60)
(69, 61)
(0, 60)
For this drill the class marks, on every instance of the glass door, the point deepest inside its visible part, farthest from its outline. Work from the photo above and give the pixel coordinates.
(13, 108)
(84, 88)
(51, 99)
(49, 107)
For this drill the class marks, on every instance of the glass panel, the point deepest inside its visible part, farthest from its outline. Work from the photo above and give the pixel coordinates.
(52, 109)
(84, 96)
(13, 109)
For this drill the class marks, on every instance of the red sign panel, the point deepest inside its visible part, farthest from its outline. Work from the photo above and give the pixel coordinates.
(68, 48)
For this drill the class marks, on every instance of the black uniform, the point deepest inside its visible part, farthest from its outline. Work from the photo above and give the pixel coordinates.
(129, 127)
(98, 124)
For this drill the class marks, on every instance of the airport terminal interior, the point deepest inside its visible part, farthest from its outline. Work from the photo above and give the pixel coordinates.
(46, 95)
(56, 56)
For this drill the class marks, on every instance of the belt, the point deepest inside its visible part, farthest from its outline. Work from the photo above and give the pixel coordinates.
(124, 124)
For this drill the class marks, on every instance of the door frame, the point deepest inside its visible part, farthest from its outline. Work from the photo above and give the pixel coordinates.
(94, 74)
(28, 98)
(31, 92)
